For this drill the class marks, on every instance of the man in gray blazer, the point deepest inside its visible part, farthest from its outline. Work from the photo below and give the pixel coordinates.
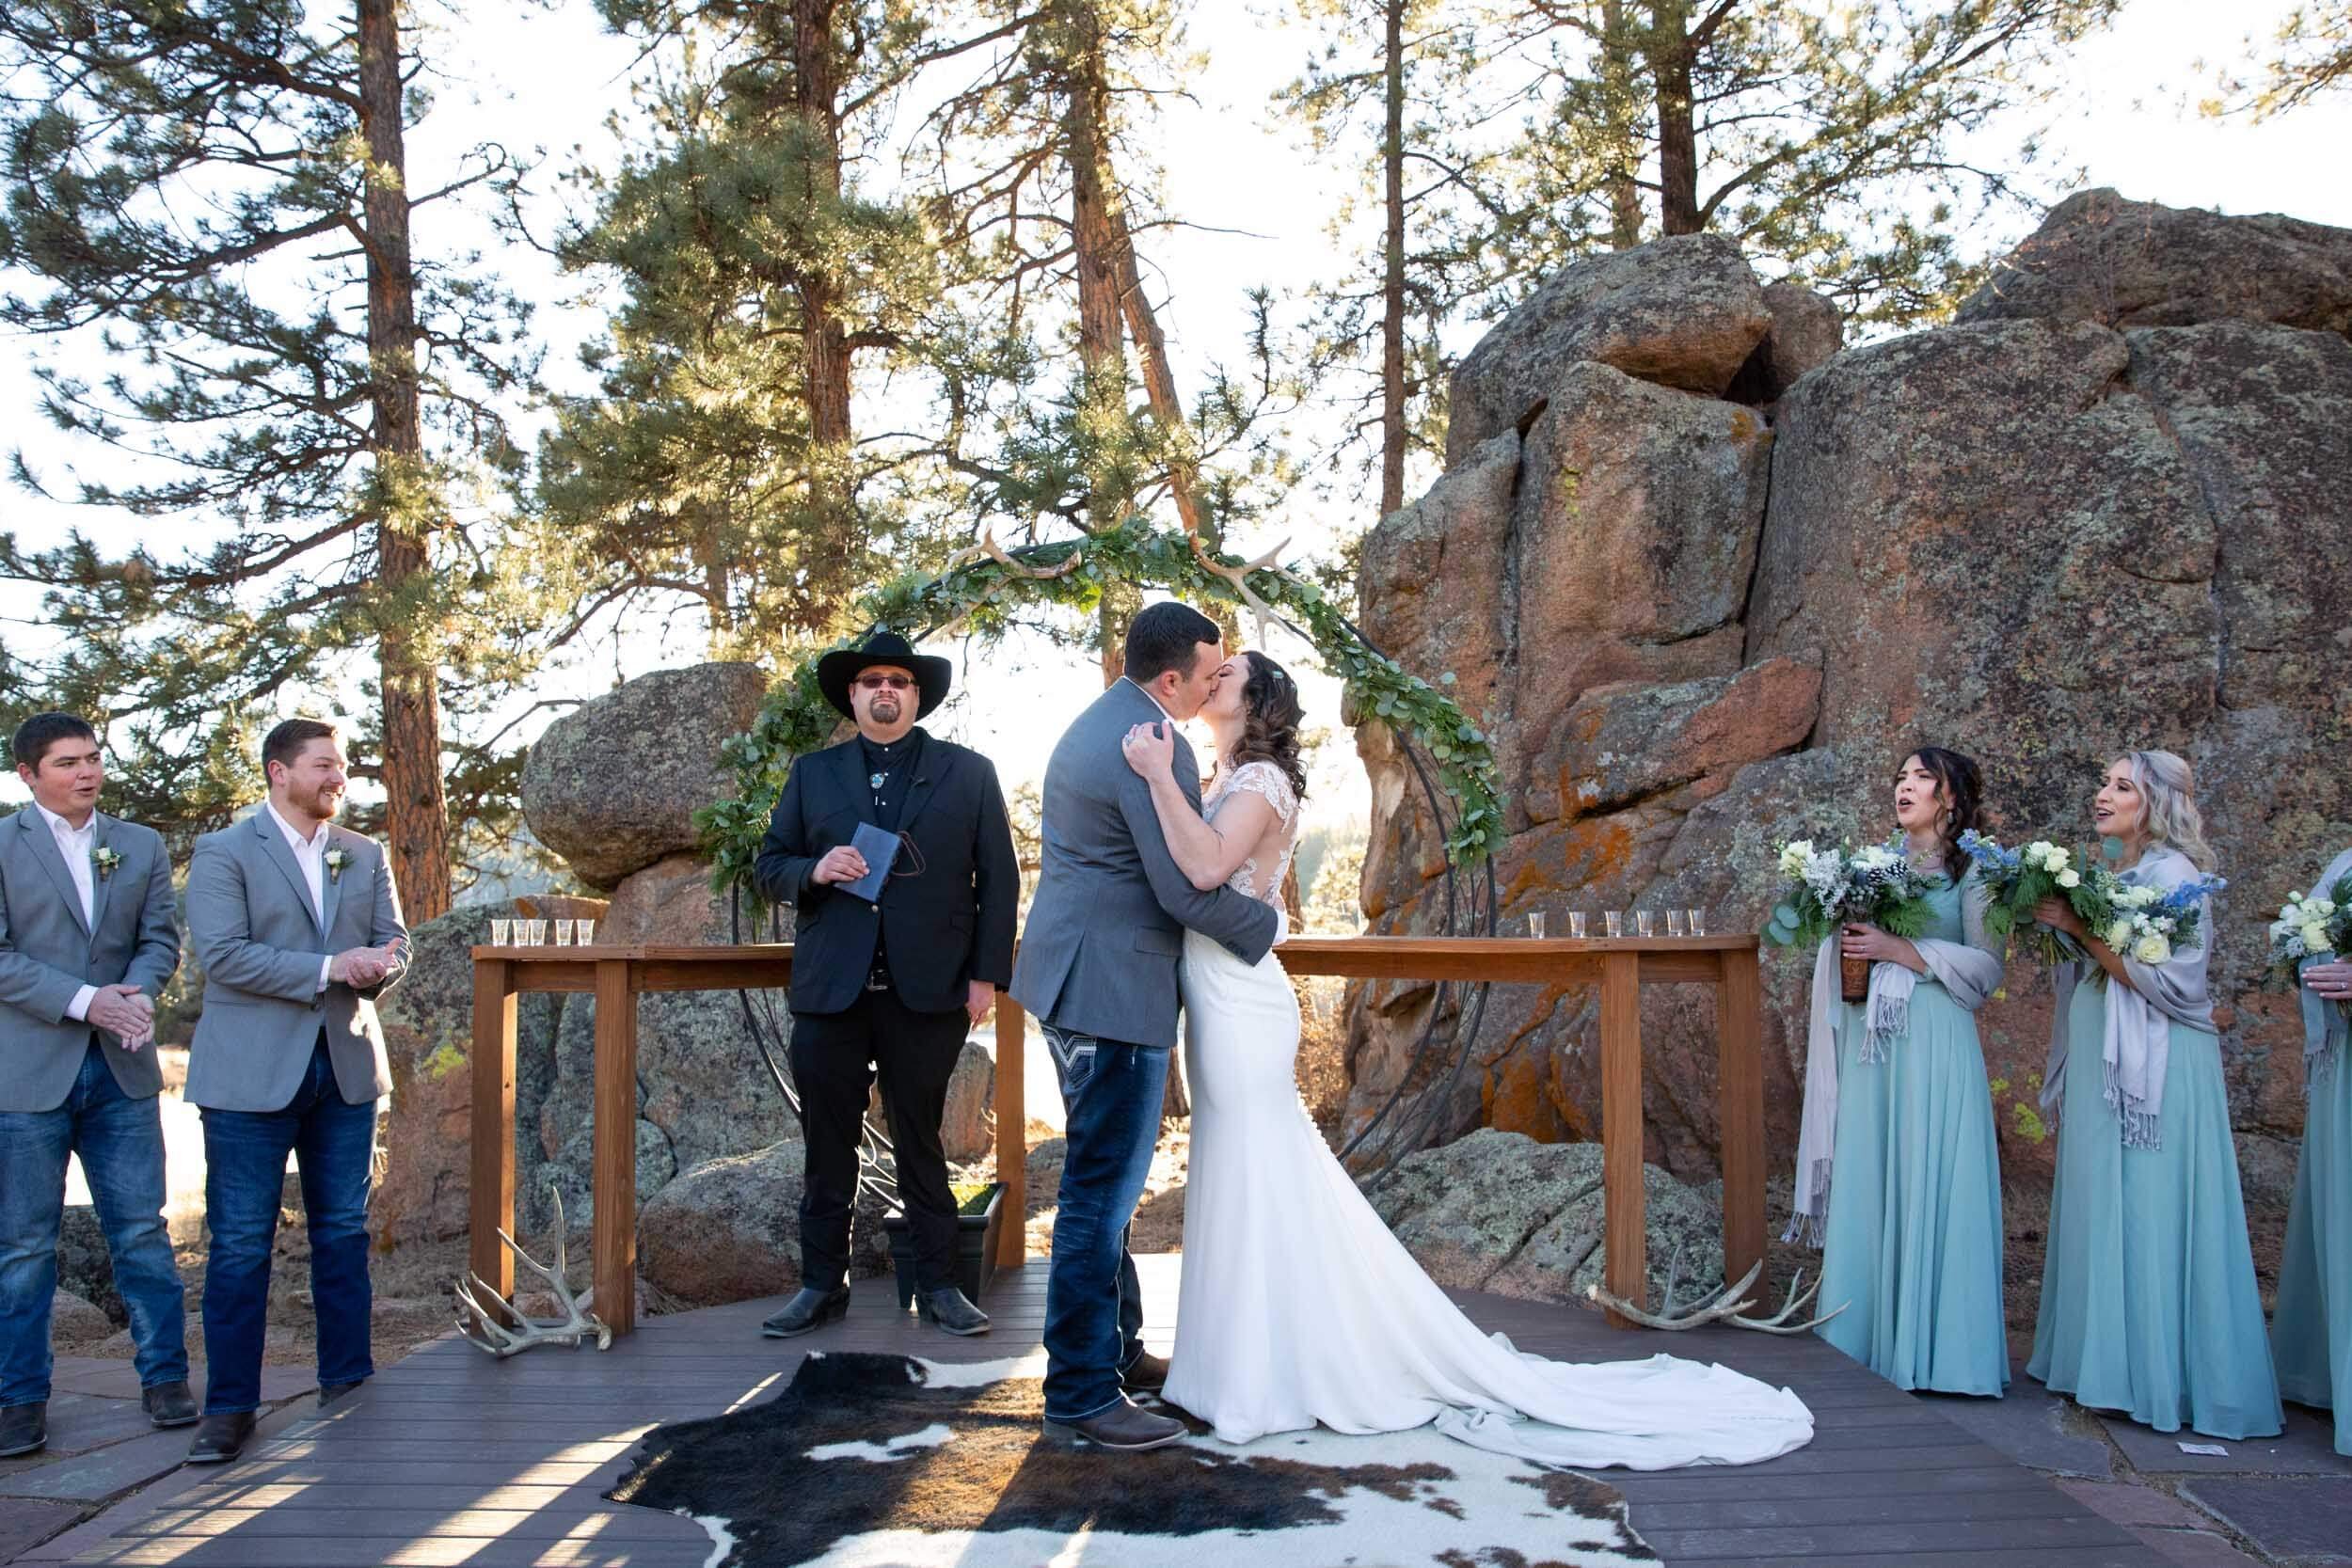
(86, 942)
(1097, 966)
(299, 928)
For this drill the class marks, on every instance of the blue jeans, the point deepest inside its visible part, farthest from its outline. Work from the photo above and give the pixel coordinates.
(121, 1141)
(1110, 1095)
(244, 1154)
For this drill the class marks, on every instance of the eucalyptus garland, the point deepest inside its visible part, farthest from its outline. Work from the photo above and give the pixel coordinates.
(978, 590)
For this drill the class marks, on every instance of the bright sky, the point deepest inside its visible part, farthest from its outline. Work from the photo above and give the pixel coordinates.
(546, 79)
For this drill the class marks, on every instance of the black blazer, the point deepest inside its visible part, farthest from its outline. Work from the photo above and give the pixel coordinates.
(947, 925)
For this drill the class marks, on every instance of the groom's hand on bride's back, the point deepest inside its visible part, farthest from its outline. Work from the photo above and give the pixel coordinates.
(840, 863)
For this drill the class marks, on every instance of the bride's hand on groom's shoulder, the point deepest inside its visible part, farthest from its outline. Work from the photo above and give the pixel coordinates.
(1150, 749)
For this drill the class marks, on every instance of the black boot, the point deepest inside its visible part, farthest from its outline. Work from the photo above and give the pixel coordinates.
(169, 1404)
(808, 1309)
(23, 1428)
(222, 1437)
(949, 1308)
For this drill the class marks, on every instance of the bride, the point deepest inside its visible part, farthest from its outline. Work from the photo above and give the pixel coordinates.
(1296, 1305)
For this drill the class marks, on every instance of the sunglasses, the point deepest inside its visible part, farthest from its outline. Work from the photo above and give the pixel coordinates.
(896, 682)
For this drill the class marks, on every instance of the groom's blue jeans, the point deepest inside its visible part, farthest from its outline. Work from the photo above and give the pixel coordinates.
(1111, 1096)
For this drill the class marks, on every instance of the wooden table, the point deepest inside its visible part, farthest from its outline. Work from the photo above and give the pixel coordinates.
(617, 975)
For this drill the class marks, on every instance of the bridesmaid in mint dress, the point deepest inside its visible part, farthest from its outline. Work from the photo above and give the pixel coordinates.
(1911, 1226)
(2312, 1333)
(2149, 1304)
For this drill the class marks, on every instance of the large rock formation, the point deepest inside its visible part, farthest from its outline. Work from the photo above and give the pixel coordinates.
(2032, 536)
(613, 786)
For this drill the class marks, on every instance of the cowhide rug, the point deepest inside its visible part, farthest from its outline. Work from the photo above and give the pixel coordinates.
(891, 1462)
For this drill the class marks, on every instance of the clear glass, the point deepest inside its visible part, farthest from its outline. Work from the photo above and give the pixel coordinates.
(1645, 923)
(1614, 920)
(1674, 923)
(1577, 921)
(586, 931)
(1535, 925)
(1698, 921)
(538, 933)
(501, 933)
(562, 933)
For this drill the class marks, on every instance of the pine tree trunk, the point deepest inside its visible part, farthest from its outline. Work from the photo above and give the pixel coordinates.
(1617, 52)
(1670, 51)
(1393, 268)
(817, 69)
(1094, 234)
(415, 806)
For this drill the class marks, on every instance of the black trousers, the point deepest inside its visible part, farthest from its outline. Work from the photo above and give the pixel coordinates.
(835, 1057)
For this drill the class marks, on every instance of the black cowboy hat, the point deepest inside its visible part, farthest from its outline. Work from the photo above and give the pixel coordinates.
(839, 668)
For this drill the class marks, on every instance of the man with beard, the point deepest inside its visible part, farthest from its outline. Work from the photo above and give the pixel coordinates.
(888, 976)
(298, 929)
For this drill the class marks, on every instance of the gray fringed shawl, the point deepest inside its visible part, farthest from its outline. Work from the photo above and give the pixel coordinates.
(2137, 1045)
(1969, 969)
(2324, 1031)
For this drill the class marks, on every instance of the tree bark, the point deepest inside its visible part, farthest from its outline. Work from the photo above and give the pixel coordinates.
(417, 808)
(1670, 51)
(1617, 51)
(1095, 244)
(1392, 266)
(817, 83)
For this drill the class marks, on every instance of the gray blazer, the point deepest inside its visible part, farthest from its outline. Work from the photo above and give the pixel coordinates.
(47, 954)
(249, 917)
(1099, 954)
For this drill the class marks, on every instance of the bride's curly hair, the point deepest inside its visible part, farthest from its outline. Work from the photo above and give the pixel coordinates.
(1271, 713)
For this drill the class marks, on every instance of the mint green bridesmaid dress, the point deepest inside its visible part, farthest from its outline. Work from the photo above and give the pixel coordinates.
(1913, 1242)
(2149, 1304)
(2311, 1334)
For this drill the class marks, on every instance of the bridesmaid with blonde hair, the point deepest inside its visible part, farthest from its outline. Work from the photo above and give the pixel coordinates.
(2312, 1333)
(2149, 1304)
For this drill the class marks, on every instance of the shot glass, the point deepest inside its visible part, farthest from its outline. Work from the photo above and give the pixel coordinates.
(1645, 923)
(538, 932)
(1698, 921)
(1614, 921)
(1674, 923)
(586, 931)
(1535, 925)
(562, 933)
(1577, 921)
(501, 933)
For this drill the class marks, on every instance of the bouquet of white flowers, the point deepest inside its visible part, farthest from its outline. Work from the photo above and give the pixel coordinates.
(2015, 880)
(2313, 926)
(2149, 924)
(1827, 888)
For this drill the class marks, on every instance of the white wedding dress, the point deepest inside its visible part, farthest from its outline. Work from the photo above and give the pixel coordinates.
(1297, 1306)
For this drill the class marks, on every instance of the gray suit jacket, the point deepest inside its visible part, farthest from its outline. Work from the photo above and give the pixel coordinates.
(250, 919)
(47, 954)
(1099, 954)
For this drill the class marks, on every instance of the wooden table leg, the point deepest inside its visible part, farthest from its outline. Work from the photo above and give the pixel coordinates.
(1626, 1267)
(1012, 1141)
(1739, 1111)
(490, 1197)
(615, 1180)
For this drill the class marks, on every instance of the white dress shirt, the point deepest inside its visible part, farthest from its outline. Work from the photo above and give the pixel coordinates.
(77, 845)
(311, 855)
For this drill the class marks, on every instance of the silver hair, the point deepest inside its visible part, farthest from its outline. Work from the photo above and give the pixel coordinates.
(2167, 793)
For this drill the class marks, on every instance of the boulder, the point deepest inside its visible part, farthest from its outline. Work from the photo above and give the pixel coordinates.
(2039, 541)
(729, 1229)
(428, 1039)
(1499, 1212)
(570, 1176)
(2100, 258)
(1807, 331)
(85, 1268)
(1684, 311)
(967, 1129)
(613, 786)
(75, 1321)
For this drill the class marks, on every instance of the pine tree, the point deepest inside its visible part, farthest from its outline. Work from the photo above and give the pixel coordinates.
(217, 197)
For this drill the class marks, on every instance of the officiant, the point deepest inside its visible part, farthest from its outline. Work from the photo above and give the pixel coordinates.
(895, 853)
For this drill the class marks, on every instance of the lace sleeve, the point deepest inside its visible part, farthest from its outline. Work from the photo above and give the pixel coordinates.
(1264, 778)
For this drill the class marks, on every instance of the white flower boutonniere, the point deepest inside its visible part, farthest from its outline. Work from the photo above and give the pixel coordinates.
(335, 861)
(106, 860)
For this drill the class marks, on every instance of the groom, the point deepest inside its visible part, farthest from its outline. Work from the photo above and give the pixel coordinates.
(1097, 966)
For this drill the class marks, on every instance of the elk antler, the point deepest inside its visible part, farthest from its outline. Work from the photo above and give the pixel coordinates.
(1726, 1304)
(479, 1321)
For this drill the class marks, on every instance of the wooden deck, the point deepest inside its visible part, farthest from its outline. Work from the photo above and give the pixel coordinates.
(450, 1458)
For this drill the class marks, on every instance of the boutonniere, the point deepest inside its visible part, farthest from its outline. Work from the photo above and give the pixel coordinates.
(106, 860)
(336, 861)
